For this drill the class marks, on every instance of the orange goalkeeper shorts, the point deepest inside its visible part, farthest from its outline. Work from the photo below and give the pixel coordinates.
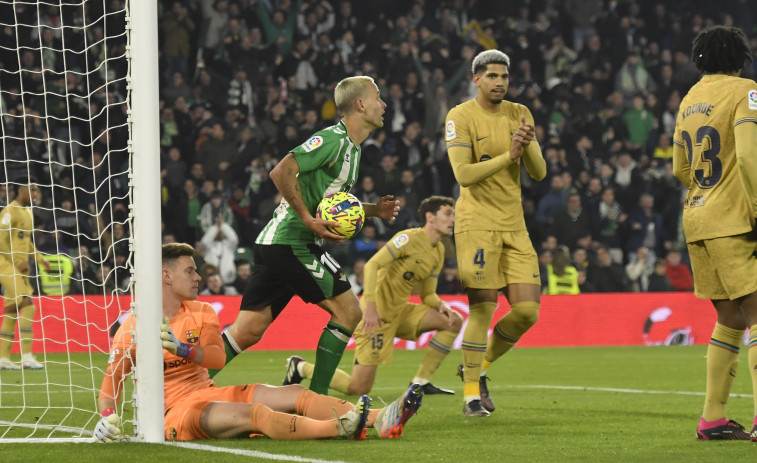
(182, 420)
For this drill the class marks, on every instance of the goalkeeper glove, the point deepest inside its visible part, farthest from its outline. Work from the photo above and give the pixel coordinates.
(173, 345)
(108, 429)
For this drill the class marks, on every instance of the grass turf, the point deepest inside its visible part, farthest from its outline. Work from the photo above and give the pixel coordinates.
(612, 404)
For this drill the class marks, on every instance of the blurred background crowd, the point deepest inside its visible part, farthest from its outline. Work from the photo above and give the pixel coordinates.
(245, 81)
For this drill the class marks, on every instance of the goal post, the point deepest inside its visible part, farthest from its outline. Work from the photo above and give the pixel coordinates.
(79, 115)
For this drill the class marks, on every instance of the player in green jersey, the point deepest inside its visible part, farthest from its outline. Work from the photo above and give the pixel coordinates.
(288, 258)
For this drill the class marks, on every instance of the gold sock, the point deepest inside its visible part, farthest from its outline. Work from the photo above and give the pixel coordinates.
(474, 345)
(509, 329)
(753, 362)
(7, 333)
(436, 352)
(25, 334)
(722, 363)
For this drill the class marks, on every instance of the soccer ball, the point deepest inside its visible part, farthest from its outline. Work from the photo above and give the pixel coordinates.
(344, 209)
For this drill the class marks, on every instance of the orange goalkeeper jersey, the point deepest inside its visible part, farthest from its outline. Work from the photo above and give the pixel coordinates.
(195, 324)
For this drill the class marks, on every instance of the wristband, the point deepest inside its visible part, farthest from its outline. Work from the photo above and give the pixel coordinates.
(186, 351)
(107, 412)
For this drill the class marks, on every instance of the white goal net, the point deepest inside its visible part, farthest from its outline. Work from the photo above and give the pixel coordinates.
(67, 129)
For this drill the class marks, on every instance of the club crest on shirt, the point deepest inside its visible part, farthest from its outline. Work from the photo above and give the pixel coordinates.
(313, 143)
(450, 130)
(192, 336)
(752, 98)
(400, 240)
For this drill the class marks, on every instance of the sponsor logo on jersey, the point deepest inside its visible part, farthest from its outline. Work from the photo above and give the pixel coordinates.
(192, 336)
(696, 201)
(175, 363)
(400, 240)
(450, 130)
(313, 143)
(752, 98)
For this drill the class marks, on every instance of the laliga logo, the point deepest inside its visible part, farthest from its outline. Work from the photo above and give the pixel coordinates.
(676, 336)
(753, 96)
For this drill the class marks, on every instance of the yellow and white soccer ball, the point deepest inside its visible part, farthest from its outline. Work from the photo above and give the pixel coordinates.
(344, 209)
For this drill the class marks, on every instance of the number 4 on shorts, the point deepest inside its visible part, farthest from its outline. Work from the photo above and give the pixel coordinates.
(478, 259)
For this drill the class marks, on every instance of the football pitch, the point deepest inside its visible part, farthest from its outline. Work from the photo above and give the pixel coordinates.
(609, 404)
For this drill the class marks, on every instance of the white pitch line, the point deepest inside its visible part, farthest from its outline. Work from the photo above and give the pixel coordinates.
(614, 389)
(250, 453)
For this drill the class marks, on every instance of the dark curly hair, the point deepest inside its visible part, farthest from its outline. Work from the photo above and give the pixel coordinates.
(721, 50)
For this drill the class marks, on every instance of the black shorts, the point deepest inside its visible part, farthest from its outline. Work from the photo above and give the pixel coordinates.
(280, 271)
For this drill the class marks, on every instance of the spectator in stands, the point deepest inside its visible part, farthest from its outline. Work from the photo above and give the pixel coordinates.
(645, 229)
(551, 204)
(584, 285)
(609, 223)
(449, 282)
(365, 244)
(356, 276)
(678, 273)
(217, 155)
(639, 271)
(605, 275)
(243, 273)
(214, 286)
(213, 209)
(572, 222)
(220, 243)
(658, 280)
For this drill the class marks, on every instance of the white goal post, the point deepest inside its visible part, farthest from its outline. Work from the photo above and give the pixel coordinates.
(79, 117)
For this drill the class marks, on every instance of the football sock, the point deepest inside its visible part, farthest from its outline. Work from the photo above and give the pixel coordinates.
(7, 333)
(474, 346)
(436, 352)
(232, 350)
(324, 407)
(331, 346)
(722, 363)
(509, 329)
(704, 424)
(340, 382)
(277, 425)
(753, 364)
(25, 334)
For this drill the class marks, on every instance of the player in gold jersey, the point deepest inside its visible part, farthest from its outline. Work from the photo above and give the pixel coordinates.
(16, 247)
(486, 139)
(715, 155)
(414, 256)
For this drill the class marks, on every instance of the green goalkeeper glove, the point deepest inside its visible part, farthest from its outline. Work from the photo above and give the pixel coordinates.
(173, 345)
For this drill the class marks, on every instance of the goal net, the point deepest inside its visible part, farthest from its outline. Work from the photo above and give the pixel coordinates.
(68, 95)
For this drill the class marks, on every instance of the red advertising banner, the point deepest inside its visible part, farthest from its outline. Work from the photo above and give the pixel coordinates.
(78, 324)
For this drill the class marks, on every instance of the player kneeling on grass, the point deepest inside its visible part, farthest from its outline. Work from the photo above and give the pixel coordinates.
(196, 409)
(411, 257)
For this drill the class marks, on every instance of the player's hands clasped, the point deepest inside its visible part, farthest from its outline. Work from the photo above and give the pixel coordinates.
(445, 310)
(108, 429)
(521, 138)
(172, 344)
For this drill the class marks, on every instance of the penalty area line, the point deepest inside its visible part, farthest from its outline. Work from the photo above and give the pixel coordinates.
(615, 389)
(249, 453)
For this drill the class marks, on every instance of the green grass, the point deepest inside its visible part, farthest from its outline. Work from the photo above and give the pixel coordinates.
(537, 418)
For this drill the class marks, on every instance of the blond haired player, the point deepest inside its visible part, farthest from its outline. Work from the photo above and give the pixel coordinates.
(16, 248)
(487, 139)
(715, 155)
(196, 409)
(414, 256)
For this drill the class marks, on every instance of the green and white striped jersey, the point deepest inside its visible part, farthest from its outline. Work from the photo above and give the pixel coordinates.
(328, 163)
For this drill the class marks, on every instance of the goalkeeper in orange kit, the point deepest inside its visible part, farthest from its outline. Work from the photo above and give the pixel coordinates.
(196, 409)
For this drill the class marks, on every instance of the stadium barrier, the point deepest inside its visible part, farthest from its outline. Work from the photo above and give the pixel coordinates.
(73, 322)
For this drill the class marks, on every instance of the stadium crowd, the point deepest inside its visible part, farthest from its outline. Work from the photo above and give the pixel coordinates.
(245, 81)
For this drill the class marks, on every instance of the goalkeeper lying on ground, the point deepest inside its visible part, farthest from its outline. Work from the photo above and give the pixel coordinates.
(196, 409)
